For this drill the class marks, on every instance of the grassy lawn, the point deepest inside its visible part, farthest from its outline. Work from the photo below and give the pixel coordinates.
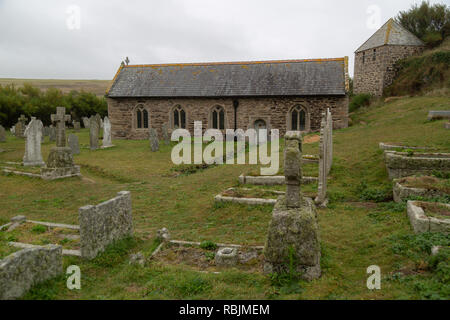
(361, 227)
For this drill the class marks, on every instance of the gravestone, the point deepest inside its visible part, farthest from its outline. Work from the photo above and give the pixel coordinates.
(99, 120)
(154, 142)
(52, 133)
(165, 133)
(21, 126)
(72, 141)
(321, 199)
(28, 267)
(438, 115)
(107, 133)
(76, 126)
(104, 224)
(293, 238)
(60, 160)
(86, 122)
(33, 134)
(46, 131)
(93, 133)
(13, 130)
(2, 134)
(447, 125)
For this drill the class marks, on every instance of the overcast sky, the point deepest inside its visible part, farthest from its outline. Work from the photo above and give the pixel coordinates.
(80, 39)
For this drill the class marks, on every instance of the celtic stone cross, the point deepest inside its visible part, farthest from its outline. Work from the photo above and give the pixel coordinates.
(60, 118)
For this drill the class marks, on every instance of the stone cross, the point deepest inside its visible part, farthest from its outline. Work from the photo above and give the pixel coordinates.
(292, 169)
(60, 118)
(23, 118)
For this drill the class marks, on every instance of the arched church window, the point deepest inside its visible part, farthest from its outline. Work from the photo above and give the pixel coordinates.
(298, 119)
(141, 117)
(179, 118)
(218, 118)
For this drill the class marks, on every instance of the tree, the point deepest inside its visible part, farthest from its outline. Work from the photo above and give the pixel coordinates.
(430, 23)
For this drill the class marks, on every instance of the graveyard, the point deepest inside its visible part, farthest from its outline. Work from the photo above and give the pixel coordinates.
(214, 249)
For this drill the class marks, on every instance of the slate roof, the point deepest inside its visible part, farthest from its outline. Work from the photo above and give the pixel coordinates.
(391, 33)
(232, 79)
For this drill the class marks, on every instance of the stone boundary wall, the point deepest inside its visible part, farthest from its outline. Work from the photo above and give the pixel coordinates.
(401, 193)
(400, 165)
(422, 223)
(25, 268)
(104, 224)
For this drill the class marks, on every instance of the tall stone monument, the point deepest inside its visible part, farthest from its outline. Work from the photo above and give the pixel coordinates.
(60, 161)
(94, 127)
(33, 135)
(324, 158)
(293, 243)
(107, 143)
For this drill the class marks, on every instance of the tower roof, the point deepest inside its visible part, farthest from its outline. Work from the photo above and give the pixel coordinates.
(391, 33)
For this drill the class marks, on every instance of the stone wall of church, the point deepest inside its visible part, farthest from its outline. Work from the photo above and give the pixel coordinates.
(274, 111)
(377, 70)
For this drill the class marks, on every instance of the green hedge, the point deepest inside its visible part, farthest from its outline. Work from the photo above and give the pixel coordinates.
(31, 101)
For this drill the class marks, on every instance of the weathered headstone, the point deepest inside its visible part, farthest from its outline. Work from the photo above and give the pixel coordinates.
(13, 130)
(52, 133)
(107, 133)
(447, 125)
(99, 120)
(93, 133)
(165, 134)
(104, 224)
(21, 126)
(33, 134)
(2, 134)
(321, 199)
(86, 122)
(28, 267)
(60, 161)
(72, 141)
(154, 142)
(76, 126)
(293, 239)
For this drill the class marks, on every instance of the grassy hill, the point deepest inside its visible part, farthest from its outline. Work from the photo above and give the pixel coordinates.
(427, 72)
(361, 227)
(98, 87)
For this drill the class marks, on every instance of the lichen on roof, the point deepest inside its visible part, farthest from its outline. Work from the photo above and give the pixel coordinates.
(391, 33)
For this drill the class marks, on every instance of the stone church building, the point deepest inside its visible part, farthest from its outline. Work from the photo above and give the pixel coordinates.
(284, 95)
(375, 59)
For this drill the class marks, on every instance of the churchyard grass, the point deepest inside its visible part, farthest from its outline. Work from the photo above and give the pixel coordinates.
(357, 230)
